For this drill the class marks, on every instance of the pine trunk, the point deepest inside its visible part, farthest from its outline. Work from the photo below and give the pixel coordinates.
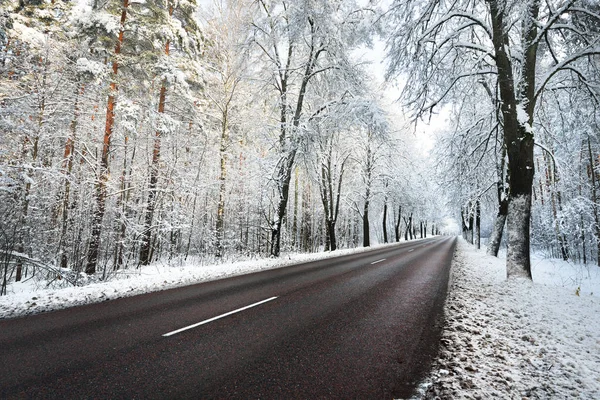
(146, 250)
(100, 193)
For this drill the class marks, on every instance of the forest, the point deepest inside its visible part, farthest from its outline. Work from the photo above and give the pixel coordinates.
(135, 131)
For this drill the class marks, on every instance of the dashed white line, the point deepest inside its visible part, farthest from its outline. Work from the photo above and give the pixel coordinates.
(218, 317)
(411, 250)
(378, 261)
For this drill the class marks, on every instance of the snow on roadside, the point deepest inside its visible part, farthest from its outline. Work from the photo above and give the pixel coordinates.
(27, 297)
(516, 339)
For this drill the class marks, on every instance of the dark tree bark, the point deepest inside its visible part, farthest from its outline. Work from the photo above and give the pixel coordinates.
(500, 222)
(287, 138)
(368, 178)
(397, 225)
(478, 224)
(463, 224)
(409, 230)
(384, 222)
(594, 179)
(331, 193)
(468, 217)
(365, 218)
(518, 135)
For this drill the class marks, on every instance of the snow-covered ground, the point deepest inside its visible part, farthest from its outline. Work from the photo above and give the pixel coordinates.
(32, 295)
(518, 340)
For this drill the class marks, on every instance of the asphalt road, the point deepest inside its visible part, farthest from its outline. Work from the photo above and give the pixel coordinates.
(362, 326)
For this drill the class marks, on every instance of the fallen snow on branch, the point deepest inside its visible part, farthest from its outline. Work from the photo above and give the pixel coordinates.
(516, 339)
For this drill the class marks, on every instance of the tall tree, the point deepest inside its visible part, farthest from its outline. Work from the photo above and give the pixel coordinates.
(446, 44)
(103, 172)
(299, 41)
(173, 23)
(332, 168)
(226, 68)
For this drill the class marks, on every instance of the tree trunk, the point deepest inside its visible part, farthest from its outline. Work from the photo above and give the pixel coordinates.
(285, 173)
(409, 230)
(24, 232)
(471, 222)
(325, 189)
(384, 222)
(463, 224)
(518, 134)
(496, 237)
(145, 248)
(593, 177)
(295, 220)
(220, 225)
(397, 225)
(67, 169)
(331, 235)
(556, 202)
(478, 224)
(100, 194)
(502, 193)
(123, 204)
(366, 234)
(306, 228)
(335, 210)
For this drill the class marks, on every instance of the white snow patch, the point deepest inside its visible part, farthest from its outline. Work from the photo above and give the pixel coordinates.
(523, 118)
(514, 339)
(92, 67)
(31, 295)
(31, 36)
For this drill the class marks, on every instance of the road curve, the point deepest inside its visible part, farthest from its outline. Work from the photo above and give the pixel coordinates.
(361, 326)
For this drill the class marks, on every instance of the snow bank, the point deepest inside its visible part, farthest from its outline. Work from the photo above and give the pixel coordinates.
(516, 339)
(31, 296)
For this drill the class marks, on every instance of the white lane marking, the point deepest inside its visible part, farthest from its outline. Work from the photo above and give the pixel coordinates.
(378, 261)
(219, 317)
(411, 250)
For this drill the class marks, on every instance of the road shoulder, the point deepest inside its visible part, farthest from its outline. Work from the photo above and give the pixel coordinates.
(513, 339)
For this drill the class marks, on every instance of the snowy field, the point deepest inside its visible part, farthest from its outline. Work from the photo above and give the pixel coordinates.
(518, 340)
(33, 296)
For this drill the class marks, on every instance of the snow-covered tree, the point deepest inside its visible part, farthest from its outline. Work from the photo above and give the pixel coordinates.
(522, 47)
